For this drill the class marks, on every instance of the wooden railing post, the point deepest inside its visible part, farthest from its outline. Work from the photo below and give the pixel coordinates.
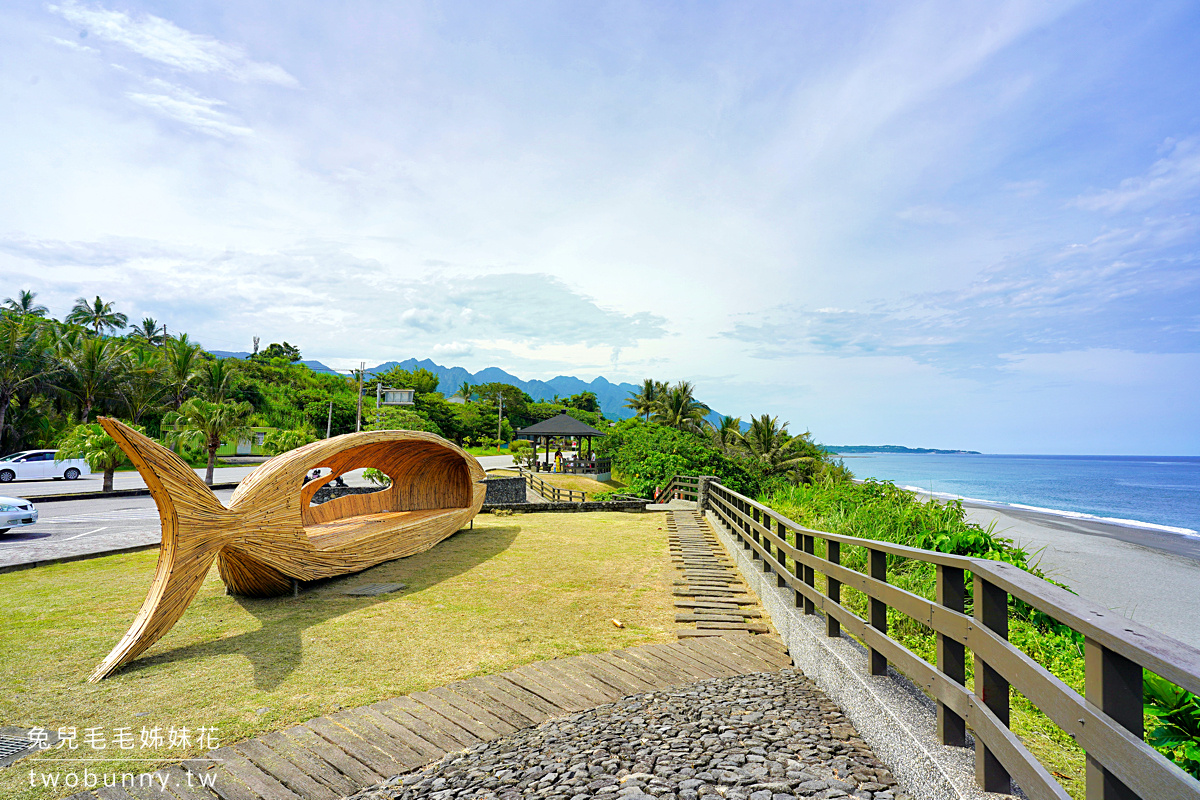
(991, 611)
(834, 588)
(780, 556)
(759, 519)
(809, 547)
(951, 655)
(1114, 684)
(878, 609)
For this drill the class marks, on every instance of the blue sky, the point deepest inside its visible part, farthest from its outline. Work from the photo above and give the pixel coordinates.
(966, 225)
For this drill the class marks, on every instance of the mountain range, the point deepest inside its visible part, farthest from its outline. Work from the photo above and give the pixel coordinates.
(611, 396)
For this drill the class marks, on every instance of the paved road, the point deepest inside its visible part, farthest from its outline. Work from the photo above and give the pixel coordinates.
(75, 528)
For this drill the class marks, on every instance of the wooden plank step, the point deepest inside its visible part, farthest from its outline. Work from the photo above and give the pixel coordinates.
(688, 633)
(310, 764)
(284, 771)
(733, 626)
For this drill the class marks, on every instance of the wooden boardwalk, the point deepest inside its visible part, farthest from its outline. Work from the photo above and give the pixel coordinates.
(710, 593)
(330, 757)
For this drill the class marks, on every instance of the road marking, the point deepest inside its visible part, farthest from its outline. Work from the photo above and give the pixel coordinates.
(76, 536)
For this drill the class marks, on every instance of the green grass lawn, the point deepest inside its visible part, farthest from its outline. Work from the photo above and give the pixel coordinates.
(515, 589)
(566, 480)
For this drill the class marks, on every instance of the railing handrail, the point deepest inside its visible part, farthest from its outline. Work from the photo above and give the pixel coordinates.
(1107, 722)
(550, 491)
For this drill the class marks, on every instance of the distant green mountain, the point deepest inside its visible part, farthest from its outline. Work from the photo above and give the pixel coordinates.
(893, 448)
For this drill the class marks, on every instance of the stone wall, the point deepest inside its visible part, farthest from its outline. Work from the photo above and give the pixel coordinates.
(505, 490)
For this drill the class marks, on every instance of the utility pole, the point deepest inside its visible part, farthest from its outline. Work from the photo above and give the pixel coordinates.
(362, 366)
(378, 407)
(499, 418)
(329, 422)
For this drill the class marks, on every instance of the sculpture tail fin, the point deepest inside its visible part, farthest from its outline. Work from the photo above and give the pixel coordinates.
(195, 526)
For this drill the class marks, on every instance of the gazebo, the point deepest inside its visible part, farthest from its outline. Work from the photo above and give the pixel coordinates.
(564, 425)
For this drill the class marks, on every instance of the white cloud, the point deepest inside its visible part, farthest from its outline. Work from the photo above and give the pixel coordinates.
(202, 113)
(1173, 177)
(73, 45)
(161, 40)
(928, 215)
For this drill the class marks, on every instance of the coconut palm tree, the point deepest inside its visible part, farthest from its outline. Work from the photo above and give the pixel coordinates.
(643, 401)
(101, 452)
(215, 379)
(97, 315)
(776, 450)
(149, 331)
(92, 370)
(23, 305)
(24, 358)
(679, 408)
(144, 385)
(727, 434)
(181, 360)
(209, 425)
(465, 391)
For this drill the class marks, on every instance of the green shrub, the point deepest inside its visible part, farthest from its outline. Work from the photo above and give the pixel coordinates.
(648, 455)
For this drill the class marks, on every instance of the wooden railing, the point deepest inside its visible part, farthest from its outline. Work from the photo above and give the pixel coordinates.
(1106, 722)
(553, 493)
(681, 487)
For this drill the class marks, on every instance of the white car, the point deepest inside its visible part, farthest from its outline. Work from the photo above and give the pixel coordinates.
(16, 513)
(40, 464)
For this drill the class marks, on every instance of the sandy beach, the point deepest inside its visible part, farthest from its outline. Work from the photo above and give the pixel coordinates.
(1150, 576)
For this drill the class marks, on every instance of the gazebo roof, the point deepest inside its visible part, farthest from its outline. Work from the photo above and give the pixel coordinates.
(562, 425)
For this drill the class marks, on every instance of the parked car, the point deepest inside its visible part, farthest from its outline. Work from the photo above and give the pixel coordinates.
(16, 513)
(40, 464)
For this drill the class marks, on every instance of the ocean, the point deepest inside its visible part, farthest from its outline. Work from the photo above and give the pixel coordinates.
(1141, 491)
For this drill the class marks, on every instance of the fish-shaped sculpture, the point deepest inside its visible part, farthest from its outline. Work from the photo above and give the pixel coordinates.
(271, 535)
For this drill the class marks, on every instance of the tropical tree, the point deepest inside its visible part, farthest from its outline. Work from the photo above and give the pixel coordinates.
(23, 305)
(97, 315)
(149, 331)
(209, 425)
(277, 442)
(92, 370)
(678, 408)
(777, 451)
(181, 360)
(24, 358)
(101, 452)
(215, 379)
(727, 434)
(465, 391)
(144, 385)
(644, 401)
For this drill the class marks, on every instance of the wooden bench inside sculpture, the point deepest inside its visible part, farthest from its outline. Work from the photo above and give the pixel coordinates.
(271, 534)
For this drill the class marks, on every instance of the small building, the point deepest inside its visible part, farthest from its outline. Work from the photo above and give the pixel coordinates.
(564, 426)
(247, 447)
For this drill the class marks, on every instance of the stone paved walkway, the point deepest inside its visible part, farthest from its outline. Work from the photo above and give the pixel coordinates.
(763, 736)
(330, 757)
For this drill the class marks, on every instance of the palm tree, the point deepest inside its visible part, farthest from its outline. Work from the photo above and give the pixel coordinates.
(144, 384)
(727, 435)
(97, 315)
(465, 391)
(774, 448)
(101, 452)
(93, 369)
(678, 408)
(181, 357)
(645, 399)
(215, 379)
(150, 331)
(23, 305)
(209, 425)
(24, 358)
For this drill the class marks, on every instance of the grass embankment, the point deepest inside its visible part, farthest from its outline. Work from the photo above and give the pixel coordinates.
(580, 483)
(514, 590)
(882, 512)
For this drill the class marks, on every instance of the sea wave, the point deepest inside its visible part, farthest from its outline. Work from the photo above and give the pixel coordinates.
(1057, 512)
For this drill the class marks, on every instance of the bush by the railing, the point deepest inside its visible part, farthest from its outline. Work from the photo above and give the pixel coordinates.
(1175, 730)
(648, 455)
(883, 512)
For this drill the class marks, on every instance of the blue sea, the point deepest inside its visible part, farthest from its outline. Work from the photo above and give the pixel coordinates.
(1143, 491)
